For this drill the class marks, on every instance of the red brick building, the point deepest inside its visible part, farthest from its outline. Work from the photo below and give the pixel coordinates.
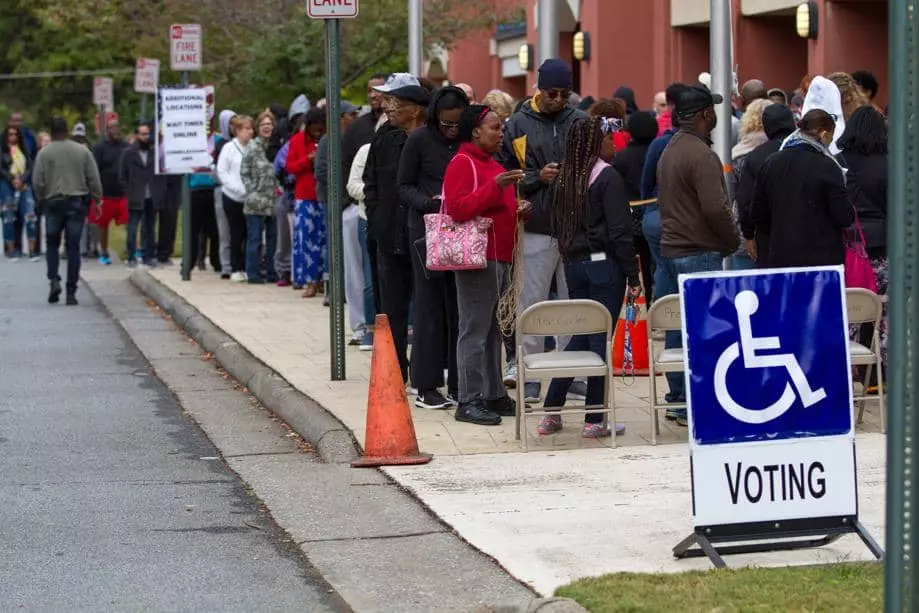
(647, 44)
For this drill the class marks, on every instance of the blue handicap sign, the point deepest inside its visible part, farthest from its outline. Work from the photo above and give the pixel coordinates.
(768, 355)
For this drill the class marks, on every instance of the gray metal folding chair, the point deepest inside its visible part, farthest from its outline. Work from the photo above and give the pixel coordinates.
(664, 315)
(564, 318)
(864, 306)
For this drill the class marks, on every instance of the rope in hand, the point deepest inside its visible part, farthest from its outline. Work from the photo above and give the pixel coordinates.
(631, 316)
(510, 297)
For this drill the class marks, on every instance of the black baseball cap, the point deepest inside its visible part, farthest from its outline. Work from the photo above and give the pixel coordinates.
(695, 98)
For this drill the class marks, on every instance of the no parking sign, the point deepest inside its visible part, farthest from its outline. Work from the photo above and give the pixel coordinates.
(771, 419)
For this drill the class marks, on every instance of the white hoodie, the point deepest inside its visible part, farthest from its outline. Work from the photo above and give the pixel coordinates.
(228, 170)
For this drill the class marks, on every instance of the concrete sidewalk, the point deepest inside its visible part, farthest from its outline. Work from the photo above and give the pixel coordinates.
(550, 516)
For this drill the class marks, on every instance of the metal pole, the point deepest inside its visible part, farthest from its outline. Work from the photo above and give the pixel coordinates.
(336, 251)
(187, 264)
(143, 107)
(415, 36)
(722, 78)
(902, 537)
(547, 16)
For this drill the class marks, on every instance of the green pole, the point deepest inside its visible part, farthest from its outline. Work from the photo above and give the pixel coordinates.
(902, 538)
(336, 252)
(187, 264)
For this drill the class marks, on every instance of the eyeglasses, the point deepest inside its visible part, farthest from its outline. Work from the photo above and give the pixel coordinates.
(551, 94)
(449, 125)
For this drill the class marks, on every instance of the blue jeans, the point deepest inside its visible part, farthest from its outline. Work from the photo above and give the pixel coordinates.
(66, 217)
(255, 226)
(664, 285)
(604, 282)
(742, 261)
(18, 213)
(671, 269)
(370, 309)
(145, 218)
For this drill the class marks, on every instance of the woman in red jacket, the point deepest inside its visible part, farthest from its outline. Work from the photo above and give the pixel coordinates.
(309, 223)
(475, 185)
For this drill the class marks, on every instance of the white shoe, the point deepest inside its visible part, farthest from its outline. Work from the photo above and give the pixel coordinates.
(238, 277)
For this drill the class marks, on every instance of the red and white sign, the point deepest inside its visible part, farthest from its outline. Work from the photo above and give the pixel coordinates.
(331, 9)
(185, 46)
(102, 93)
(146, 75)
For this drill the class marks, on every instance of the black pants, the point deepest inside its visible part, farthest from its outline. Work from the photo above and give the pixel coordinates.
(142, 218)
(166, 232)
(643, 250)
(65, 218)
(435, 328)
(395, 275)
(374, 270)
(204, 237)
(237, 222)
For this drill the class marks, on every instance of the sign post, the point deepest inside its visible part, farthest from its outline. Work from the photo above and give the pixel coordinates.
(146, 80)
(185, 55)
(332, 11)
(771, 419)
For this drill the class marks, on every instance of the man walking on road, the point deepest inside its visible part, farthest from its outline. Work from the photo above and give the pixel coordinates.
(64, 178)
(114, 206)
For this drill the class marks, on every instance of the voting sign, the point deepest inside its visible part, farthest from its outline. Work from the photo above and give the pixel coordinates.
(769, 389)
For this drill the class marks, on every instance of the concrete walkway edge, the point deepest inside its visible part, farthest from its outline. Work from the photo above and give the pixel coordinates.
(332, 440)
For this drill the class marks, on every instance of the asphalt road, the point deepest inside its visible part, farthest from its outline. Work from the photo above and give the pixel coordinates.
(110, 498)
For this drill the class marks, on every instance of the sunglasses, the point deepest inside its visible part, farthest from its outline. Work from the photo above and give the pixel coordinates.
(449, 125)
(552, 94)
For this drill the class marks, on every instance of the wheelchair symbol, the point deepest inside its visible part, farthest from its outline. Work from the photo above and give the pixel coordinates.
(746, 304)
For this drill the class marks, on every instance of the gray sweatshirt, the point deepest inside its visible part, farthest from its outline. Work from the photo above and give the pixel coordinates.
(65, 168)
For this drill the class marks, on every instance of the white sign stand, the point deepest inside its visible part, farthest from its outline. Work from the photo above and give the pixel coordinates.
(771, 419)
(103, 93)
(185, 46)
(146, 75)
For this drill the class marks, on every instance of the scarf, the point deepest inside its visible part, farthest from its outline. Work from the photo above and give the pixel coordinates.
(18, 167)
(799, 139)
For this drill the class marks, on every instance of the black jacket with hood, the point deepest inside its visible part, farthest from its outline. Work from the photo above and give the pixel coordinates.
(108, 158)
(627, 95)
(421, 169)
(866, 184)
(778, 123)
(386, 215)
(545, 143)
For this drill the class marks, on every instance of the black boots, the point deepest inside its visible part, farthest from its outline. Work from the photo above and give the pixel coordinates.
(54, 295)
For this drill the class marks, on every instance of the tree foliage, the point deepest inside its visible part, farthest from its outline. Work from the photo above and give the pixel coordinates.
(255, 51)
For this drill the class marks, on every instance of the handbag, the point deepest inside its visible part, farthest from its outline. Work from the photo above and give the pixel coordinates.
(859, 272)
(452, 245)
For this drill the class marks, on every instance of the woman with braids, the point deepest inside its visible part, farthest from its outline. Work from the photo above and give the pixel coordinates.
(593, 224)
(475, 185)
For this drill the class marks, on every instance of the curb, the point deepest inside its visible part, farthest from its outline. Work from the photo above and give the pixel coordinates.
(332, 440)
(538, 605)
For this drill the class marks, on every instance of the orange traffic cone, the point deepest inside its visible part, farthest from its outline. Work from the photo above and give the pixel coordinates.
(638, 335)
(390, 437)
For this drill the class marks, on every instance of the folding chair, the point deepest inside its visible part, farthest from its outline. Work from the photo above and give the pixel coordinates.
(664, 315)
(564, 318)
(864, 306)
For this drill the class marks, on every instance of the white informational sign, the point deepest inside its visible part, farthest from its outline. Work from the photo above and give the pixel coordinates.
(332, 9)
(185, 46)
(103, 94)
(769, 389)
(146, 75)
(181, 131)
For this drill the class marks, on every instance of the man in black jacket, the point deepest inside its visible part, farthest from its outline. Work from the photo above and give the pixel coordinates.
(778, 123)
(362, 130)
(405, 104)
(541, 127)
(114, 207)
(138, 179)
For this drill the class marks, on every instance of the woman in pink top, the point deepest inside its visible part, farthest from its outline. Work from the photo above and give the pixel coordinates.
(475, 185)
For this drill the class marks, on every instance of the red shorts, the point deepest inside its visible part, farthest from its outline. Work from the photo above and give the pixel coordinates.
(111, 209)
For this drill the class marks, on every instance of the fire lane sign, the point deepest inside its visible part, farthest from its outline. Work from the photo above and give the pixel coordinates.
(185, 46)
(146, 75)
(103, 94)
(332, 9)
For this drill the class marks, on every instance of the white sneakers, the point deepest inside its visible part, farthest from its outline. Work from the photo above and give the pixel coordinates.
(238, 277)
